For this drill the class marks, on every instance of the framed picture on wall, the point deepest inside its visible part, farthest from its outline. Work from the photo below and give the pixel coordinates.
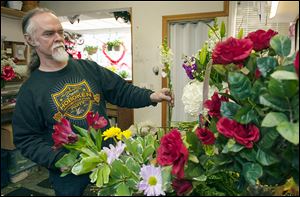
(16, 50)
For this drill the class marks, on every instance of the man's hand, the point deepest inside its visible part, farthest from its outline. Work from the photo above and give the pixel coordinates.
(163, 95)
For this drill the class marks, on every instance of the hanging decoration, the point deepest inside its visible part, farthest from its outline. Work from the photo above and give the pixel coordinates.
(104, 50)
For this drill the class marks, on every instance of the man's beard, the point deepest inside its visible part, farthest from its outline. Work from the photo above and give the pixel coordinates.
(58, 53)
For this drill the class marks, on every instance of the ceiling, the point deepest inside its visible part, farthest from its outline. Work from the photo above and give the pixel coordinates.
(91, 21)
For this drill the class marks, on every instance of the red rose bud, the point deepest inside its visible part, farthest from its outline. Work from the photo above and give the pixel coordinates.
(257, 74)
(232, 50)
(63, 134)
(182, 186)
(214, 105)
(8, 73)
(95, 121)
(206, 136)
(173, 152)
(296, 63)
(261, 38)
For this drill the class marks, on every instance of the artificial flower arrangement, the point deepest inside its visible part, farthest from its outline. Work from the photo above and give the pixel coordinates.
(245, 138)
(7, 70)
(250, 125)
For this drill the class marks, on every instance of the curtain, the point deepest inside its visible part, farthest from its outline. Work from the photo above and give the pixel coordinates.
(186, 38)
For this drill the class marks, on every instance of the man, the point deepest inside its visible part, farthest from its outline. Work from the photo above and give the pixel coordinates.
(60, 86)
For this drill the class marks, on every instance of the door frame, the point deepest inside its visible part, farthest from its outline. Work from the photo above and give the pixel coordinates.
(166, 20)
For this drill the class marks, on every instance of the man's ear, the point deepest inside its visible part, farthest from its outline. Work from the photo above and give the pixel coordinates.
(29, 40)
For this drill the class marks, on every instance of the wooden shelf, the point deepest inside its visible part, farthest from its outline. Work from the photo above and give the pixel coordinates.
(12, 12)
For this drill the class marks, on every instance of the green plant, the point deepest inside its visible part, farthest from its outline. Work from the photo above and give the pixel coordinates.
(91, 49)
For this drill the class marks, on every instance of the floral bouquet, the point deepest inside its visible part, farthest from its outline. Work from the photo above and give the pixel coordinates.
(124, 168)
(250, 125)
(7, 71)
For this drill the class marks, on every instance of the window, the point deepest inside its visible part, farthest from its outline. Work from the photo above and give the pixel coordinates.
(254, 15)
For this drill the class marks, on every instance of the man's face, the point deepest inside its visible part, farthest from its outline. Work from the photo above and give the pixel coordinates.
(48, 37)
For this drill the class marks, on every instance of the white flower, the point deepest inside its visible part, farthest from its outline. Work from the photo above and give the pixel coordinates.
(114, 152)
(152, 181)
(192, 97)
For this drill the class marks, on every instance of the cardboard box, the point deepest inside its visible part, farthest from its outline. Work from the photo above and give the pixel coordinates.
(7, 137)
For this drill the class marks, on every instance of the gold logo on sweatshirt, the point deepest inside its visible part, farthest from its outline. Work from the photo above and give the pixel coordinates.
(74, 100)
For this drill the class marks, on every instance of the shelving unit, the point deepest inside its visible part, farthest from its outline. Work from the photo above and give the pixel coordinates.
(12, 12)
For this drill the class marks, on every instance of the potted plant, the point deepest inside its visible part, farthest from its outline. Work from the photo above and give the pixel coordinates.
(110, 45)
(91, 49)
(115, 44)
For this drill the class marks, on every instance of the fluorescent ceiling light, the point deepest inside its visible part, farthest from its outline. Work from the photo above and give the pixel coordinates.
(274, 6)
(106, 23)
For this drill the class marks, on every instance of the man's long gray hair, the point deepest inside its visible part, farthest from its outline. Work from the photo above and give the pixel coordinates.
(28, 27)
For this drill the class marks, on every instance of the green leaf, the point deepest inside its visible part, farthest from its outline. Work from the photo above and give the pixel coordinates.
(119, 170)
(269, 136)
(85, 165)
(230, 147)
(166, 177)
(203, 54)
(283, 89)
(201, 178)
(239, 85)
(132, 165)
(193, 158)
(83, 132)
(219, 68)
(222, 30)
(274, 103)
(123, 190)
(68, 160)
(289, 61)
(105, 173)
(229, 109)
(281, 44)
(245, 115)
(148, 151)
(284, 75)
(265, 159)
(94, 175)
(272, 119)
(249, 154)
(289, 131)
(252, 172)
(266, 65)
(240, 34)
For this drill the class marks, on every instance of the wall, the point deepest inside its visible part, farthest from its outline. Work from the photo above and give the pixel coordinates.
(11, 28)
(147, 35)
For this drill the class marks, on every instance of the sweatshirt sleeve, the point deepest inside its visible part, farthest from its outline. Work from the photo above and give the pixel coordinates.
(30, 136)
(119, 92)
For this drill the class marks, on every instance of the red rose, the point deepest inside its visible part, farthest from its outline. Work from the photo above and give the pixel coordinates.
(95, 121)
(226, 126)
(8, 73)
(243, 134)
(261, 38)
(63, 134)
(181, 186)
(214, 105)
(173, 152)
(247, 135)
(296, 63)
(232, 50)
(206, 136)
